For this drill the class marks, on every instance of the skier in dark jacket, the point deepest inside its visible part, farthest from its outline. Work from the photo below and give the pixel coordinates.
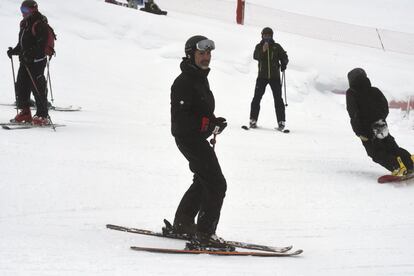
(368, 110)
(272, 59)
(33, 37)
(192, 122)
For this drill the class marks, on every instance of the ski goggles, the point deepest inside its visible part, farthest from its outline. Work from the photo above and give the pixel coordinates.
(205, 45)
(25, 10)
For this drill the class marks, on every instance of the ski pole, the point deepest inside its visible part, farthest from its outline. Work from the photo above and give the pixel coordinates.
(38, 94)
(50, 82)
(284, 84)
(213, 140)
(14, 83)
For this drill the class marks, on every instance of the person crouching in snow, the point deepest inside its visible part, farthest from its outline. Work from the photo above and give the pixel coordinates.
(368, 109)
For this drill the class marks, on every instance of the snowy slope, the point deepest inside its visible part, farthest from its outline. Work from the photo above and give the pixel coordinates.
(116, 162)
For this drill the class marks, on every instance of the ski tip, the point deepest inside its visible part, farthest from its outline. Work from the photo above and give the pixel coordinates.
(245, 127)
(297, 252)
(5, 127)
(286, 131)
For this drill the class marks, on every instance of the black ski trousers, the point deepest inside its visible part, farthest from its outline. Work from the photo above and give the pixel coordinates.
(277, 98)
(205, 196)
(25, 85)
(385, 152)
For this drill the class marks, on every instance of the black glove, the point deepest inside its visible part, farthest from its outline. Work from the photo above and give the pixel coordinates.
(283, 67)
(218, 124)
(12, 52)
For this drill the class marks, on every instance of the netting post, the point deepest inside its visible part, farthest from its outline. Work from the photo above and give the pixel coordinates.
(240, 12)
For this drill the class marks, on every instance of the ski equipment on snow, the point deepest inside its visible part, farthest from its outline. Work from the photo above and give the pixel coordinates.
(217, 252)
(244, 245)
(393, 178)
(248, 128)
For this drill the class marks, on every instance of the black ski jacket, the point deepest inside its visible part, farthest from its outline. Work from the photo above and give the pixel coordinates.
(191, 101)
(271, 60)
(32, 47)
(365, 105)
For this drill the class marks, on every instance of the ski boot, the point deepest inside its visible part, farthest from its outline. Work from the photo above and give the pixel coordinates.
(24, 116)
(209, 242)
(40, 121)
(179, 229)
(253, 123)
(281, 125)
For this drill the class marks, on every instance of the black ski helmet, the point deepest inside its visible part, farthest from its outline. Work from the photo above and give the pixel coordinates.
(29, 4)
(355, 74)
(267, 31)
(191, 45)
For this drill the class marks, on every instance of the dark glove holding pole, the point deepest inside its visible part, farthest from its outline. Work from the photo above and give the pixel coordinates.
(218, 125)
(12, 52)
(283, 67)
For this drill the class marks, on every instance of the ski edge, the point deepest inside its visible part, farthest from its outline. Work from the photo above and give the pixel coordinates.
(283, 131)
(220, 253)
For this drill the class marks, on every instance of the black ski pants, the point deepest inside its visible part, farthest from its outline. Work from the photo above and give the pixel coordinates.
(30, 78)
(277, 98)
(385, 152)
(205, 195)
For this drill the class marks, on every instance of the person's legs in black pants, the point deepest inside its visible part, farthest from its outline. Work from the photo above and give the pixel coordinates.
(258, 94)
(278, 101)
(386, 151)
(209, 186)
(23, 85)
(39, 87)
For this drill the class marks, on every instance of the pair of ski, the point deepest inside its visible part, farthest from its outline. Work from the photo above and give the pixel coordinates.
(16, 126)
(69, 108)
(263, 250)
(281, 130)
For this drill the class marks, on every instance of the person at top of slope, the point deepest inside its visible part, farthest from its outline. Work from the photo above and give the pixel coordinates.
(272, 59)
(192, 122)
(33, 38)
(368, 110)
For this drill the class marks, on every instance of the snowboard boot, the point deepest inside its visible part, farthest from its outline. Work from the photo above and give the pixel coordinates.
(401, 170)
(40, 121)
(206, 241)
(253, 123)
(24, 116)
(281, 125)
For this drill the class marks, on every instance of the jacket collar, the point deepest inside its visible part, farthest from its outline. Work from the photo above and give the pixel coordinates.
(190, 68)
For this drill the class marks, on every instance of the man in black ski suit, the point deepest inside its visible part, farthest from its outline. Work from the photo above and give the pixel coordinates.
(272, 59)
(192, 122)
(33, 37)
(368, 110)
